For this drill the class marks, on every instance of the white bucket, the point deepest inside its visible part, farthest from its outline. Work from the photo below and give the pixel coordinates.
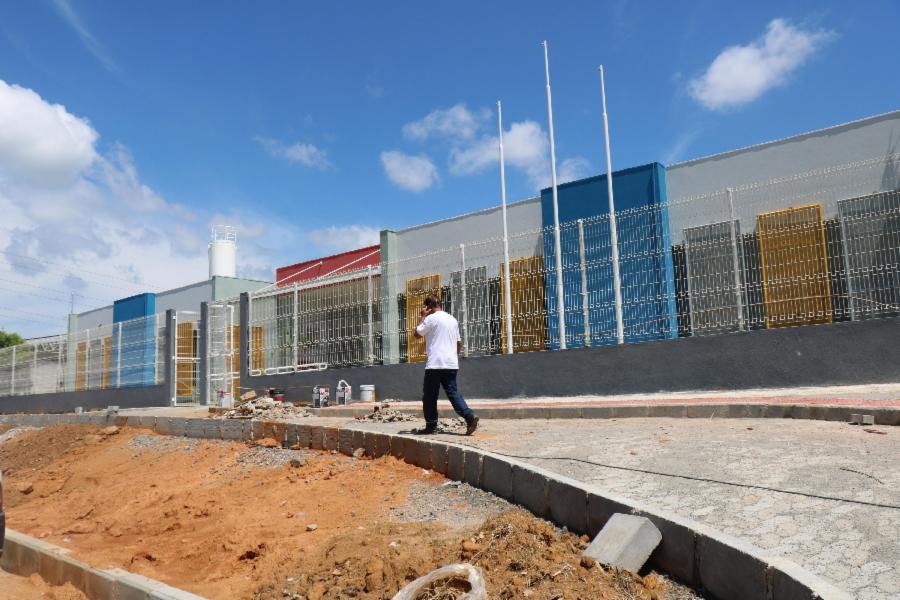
(367, 393)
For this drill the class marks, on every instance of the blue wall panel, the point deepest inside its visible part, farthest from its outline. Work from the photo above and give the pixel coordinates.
(645, 257)
(138, 360)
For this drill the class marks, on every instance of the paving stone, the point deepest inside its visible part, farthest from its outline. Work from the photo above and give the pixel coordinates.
(332, 438)
(345, 442)
(626, 542)
(530, 489)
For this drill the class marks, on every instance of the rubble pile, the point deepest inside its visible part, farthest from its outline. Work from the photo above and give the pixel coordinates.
(383, 413)
(266, 408)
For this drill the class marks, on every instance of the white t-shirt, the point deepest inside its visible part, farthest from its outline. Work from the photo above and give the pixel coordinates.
(441, 332)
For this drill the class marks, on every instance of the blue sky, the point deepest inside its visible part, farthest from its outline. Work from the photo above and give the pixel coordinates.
(308, 124)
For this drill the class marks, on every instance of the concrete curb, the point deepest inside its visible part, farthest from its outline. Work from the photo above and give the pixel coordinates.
(723, 567)
(689, 410)
(25, 555)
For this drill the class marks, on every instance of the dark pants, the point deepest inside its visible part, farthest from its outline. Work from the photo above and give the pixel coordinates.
(434, 379)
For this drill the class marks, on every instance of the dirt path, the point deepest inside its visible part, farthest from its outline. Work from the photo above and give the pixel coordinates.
(227, 520)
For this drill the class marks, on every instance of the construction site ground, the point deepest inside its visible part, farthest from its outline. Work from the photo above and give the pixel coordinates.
(237, 520)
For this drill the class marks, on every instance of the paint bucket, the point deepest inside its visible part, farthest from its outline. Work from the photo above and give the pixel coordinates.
(320, 396)
(367, 393)
(344, 393)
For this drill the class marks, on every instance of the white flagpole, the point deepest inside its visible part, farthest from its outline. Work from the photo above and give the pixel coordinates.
(557, 246)
(613, 233)
(507, 295)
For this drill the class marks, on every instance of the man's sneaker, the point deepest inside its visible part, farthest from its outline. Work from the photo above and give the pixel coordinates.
(427, 430)
(472, 426)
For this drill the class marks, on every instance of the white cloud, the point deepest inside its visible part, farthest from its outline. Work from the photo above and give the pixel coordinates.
(75, 219)
(573, 169)
(415, 173)
(41, 142)
(740, 74)
(305, 154)
(339, 239)
(65, 10)
(455, 123)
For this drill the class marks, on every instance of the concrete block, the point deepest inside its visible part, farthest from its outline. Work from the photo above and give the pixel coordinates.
(675, 554)
(398, 447)
(170, 593)
(472, 464)
(439, 457)
(775, 411)
(886, 416)
(207, 429)
(345, 442)
(99, 584)
(147, 422)
(789, 581)
(530, 489)
(317, 437)
(798, 411)
(332, 438)
(496, 476)
(383, 443)
(236, 430)
(369, 443)
(304, 436)
(701, 411)
(626, 542)
(728, 567)
(596, 412)
(568, 504)
(257, 429)
(131, 586)
(359, 439)
(565, 412)
(419, 450)
(455, 463)
(673, 411)
(600, 509)
(630, 412)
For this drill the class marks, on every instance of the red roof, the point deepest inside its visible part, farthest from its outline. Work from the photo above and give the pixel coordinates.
(345, 262)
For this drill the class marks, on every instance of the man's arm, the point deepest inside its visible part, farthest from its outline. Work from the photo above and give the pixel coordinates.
(423, 315)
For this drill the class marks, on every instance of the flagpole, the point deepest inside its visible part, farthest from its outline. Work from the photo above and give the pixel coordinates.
(613, 233)
(557, 246)
(507, 295)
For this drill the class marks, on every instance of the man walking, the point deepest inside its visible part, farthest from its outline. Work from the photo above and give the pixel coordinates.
(442, 345)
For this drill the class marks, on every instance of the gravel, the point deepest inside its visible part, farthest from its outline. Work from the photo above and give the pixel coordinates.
(453, 503)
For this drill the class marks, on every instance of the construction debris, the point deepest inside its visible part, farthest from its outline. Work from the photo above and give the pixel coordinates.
(266, 408)
(383, 413)
(246, 396)
(625, 542)
(447, 579)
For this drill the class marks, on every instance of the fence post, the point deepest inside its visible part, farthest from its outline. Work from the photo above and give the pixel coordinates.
(735, 259)
(296, 338)
(464, 308)
(370, 331)
(156, 349)
(12, 373)
(34, 357)
(119, 356)
(584, 291)
(171, 354)
(244, 347)
(87, 359)
(60, 376)
(203, 367)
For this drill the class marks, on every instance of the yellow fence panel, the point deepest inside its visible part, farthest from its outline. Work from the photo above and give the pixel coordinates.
(416, 290)
(796, 286)
(526, 290)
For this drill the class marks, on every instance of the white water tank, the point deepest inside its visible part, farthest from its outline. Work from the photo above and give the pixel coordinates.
(223, 252)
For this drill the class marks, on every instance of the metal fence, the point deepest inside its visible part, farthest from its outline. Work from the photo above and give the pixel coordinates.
(125, 354)
(813, 248)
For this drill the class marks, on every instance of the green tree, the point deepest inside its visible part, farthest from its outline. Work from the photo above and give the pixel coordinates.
(10, 339)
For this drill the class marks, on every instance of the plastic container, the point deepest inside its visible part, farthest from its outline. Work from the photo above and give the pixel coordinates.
(367, 393)
(344, 393)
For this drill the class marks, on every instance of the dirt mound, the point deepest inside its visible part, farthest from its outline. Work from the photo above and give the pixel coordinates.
(521, 557)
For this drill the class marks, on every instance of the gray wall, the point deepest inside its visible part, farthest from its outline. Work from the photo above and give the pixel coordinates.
(696, 187)
(849, 353)
(138, 397)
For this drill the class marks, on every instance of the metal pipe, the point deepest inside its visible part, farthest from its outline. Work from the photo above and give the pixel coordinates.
(557, 245)
(735, 259)
(613, 232)
(584, 291)
(119, 358)
(370, 333)
(12, 373)
(295, 359)
(507, 284)
(464, 309)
